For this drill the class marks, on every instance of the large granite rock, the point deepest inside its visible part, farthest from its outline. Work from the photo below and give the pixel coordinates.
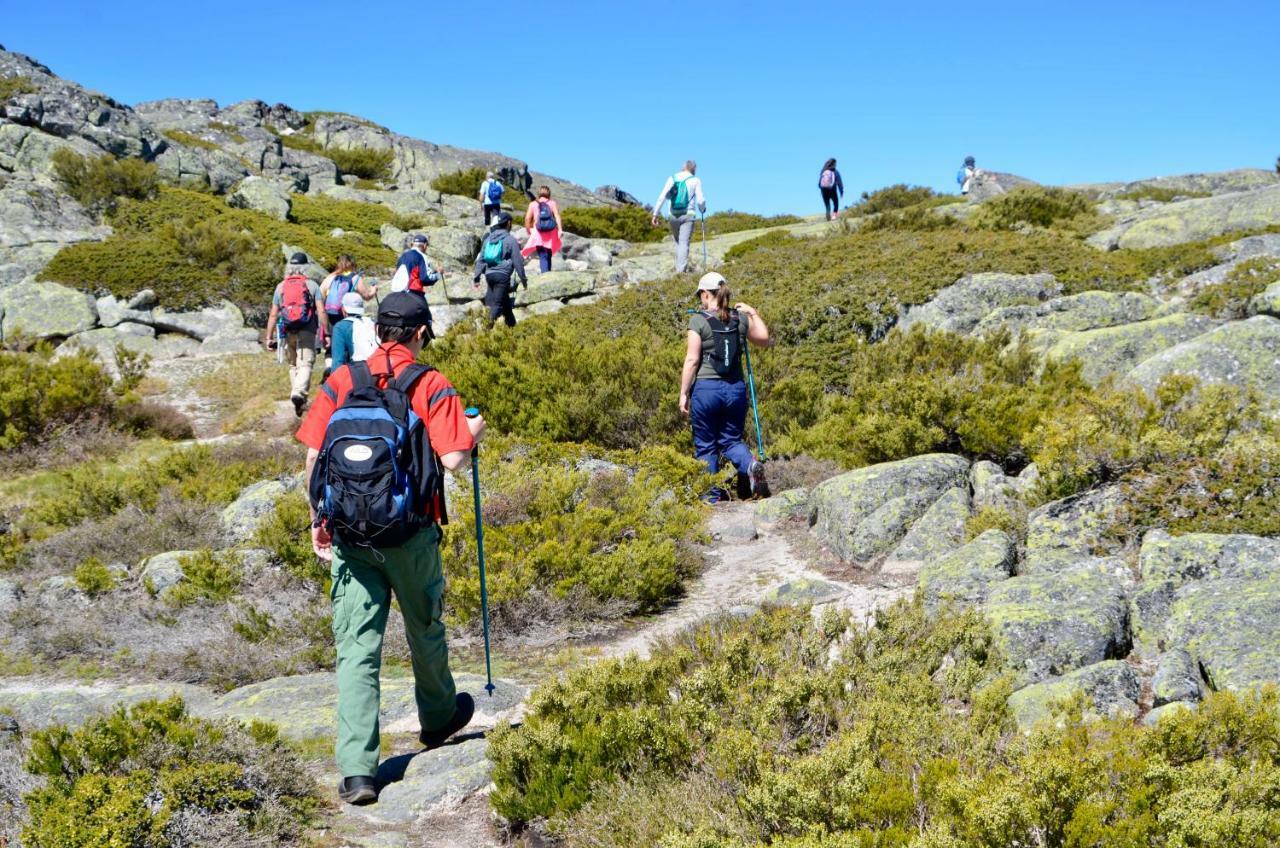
(1239, 353)
(937, 532)
(164, 571)
(1110, 689)
(1116, 350)
(783, 506)
(29, 151)
(417, 784)
(556, 285)
(1177, 678)
(456, 246)
(989, 184)
(1062, 533)
(1220, 182)
(1073, 313)
(138, 338)
(862, 514)
(960, 306)
(993, 489)
(242, 517)
(200, 324)
(46, 311)
(964, 577)
(36, 221)
(270, 197)
(1193, 220)
(53, 702)
(1047, 624)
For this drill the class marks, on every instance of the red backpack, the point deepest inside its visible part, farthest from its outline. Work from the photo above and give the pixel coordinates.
(297, 306)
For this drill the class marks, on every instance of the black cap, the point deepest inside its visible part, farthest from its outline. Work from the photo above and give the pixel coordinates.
(503, 221)
(299, 258)
(404, 309)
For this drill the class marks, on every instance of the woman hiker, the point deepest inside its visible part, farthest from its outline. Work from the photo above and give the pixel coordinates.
(542, 220)
(832, 188)
(343, 279)
(712, 390)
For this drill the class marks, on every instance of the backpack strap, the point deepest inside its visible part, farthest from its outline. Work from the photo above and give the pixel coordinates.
(360, 376)
(410, 375)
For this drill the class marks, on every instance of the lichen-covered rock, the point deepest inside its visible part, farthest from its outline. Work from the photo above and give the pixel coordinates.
(1239, 353)
(805, 591)
(988, 184)
(1062, 533)
(1111, 689)
(51, 702)
(964, 577)
(555, 285)
(10, 594)
(1193, 220)
(939, 531)
(782, 506)
(865, 512)
(993, 489)
(1218, 182)
(36, 221)
(138, 338)
(1176, 679)
(46, 310)
(1050, 623)
(269, 197)
(393, 238)
(1089, 310)
(455, 246)
(960, 306)
(164, 571)
(242, 517)
(112, 312)
(1116, 350)
(1267, 302)
(418, 783)
(200, 324)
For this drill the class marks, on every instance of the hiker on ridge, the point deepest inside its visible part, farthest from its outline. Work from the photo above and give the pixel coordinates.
(401, 555)
(684, 190)
(294, 316)
(490, 196)
(353, 335)
(712, 390)
(832, 188)
(542, 220)
(965, 175)
(499, 262)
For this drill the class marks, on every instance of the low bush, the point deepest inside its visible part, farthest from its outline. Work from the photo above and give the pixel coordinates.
(364, 163)
(1157, 193)
(722, 223)
(147, 418)
(913, 218)
(631, 223)
(40, 394)
(771, 731)
(11, 87)
(206, 576)
(99, 184)
(287, 535)
(229, 130)
(462, 183)
(899, 196)
(153, 775)
(1011, 521)
(190, 139)
(93, 577)
(1039, 206)
(1230, 298)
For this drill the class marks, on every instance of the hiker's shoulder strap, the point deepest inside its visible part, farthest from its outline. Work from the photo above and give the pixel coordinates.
(411, 374)
(360, 376)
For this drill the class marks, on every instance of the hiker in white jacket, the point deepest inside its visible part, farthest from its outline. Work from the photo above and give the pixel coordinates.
(684, 191)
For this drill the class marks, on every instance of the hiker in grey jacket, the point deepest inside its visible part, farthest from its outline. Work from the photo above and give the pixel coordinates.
(683, 188)
(499, 262)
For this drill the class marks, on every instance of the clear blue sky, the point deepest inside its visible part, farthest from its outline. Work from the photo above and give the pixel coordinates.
(758, 93)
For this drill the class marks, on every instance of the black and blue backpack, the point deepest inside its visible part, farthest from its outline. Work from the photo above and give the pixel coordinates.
(546, 220)
(376, 469)
(725, 355)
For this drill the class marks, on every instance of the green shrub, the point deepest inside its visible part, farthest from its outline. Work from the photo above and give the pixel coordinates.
(1013, 522)
(229, 130)
(100, 184)
(1230, 298)
(152, 775)
(190, 139)
(913, 218)
(287, 535)
(722, 223)
(612, 222)
(1163, 195)
(322, 214)
(11, 87)
(93, 577)
(147, 418)
(206, 576)
(899, 196)
(364, 163)
(462, 183)
(39, 394)
(1038, 206)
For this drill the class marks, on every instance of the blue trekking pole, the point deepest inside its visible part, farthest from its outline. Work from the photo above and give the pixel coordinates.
(755, 408)
(472, 412)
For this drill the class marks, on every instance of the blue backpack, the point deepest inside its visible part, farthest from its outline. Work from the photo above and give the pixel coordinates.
(376, 469)
(960, 177)
(546, 221)
(494, 192)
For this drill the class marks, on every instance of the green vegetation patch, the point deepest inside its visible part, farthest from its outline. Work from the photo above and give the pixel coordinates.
(613, 222)
(231, 131)
(722, 223)
(1162, 195)
(900, 196)
(771, 731)
(153, 775)
(1039, 206)
(11, 87)
(193, 249)
(40, 394)
(322, 214)
(101, 183)
(189, 139)
(1230, 298)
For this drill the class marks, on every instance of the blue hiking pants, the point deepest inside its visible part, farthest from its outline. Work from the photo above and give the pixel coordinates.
(718, 410)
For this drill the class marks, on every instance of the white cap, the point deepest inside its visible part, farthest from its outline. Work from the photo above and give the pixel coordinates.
(353, 303)
(711, 281)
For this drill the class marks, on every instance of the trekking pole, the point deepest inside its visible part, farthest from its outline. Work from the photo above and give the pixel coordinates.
(472, 412)
(755, 407)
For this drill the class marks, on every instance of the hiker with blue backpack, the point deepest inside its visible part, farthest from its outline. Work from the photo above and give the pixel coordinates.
(293, 324)
(832, 188)
(713, 392)
(542, 221)
(343, 279)
(964, 177)
(379, 437)
(684, 192)
(491, 196)
(499, 262)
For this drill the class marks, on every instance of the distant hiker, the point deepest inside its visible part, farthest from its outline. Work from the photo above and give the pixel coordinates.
(343, 279)
(684, 190)
(542, 220)
(349, 432)
(293, 316)
(354, 337)
(491, 196)
(413, 270)
(712, 390)
(832, 188)
(499, 262)
(965, 175)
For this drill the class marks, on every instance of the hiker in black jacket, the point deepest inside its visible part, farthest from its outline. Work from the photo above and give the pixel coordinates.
(832, 188)
(499, 262)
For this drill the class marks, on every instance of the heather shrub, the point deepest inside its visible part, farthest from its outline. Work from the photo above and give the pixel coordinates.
(464, 183)
(899, 196)
(39, 394)
(1230, 298)
(729, 221)
(287, 535)
(1039, 206)
(206, 576)
(612, 222)
(93, 577)
(100, 184)
(1159, 194)
(364, 163)
(364, 221)
(190, 139)
(11, 87)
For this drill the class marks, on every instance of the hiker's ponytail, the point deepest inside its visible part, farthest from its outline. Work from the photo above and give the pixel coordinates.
(723, 299)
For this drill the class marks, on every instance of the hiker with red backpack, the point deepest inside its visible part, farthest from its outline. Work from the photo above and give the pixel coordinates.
(684, 191)
(542, 220)
(832, 188)
(713, 392)
(295, 322)
(379, 438)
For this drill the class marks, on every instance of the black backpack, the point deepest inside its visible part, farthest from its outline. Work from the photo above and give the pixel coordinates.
(726, 350)
(376, 468)
(546, 221)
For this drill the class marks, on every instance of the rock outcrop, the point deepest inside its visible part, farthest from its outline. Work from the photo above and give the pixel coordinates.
(1192, 220)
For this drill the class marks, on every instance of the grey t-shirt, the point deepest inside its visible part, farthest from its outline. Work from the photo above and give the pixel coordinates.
(314, 324)
(699, 324)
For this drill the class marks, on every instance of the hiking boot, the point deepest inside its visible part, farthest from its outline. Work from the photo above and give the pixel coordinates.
(299, 404)
(359, 790)
(742, 486)
(759, 485)
(466, 708)
(715, 495)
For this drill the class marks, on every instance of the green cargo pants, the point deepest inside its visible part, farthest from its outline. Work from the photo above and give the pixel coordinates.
(363, 580)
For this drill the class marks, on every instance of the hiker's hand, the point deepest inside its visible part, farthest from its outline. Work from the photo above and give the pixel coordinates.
(654, 220)
(744, 308)
(684, 404)
(322, 543)
(477, 427)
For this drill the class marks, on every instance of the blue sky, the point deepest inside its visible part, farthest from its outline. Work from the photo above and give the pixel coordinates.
(758, 93)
